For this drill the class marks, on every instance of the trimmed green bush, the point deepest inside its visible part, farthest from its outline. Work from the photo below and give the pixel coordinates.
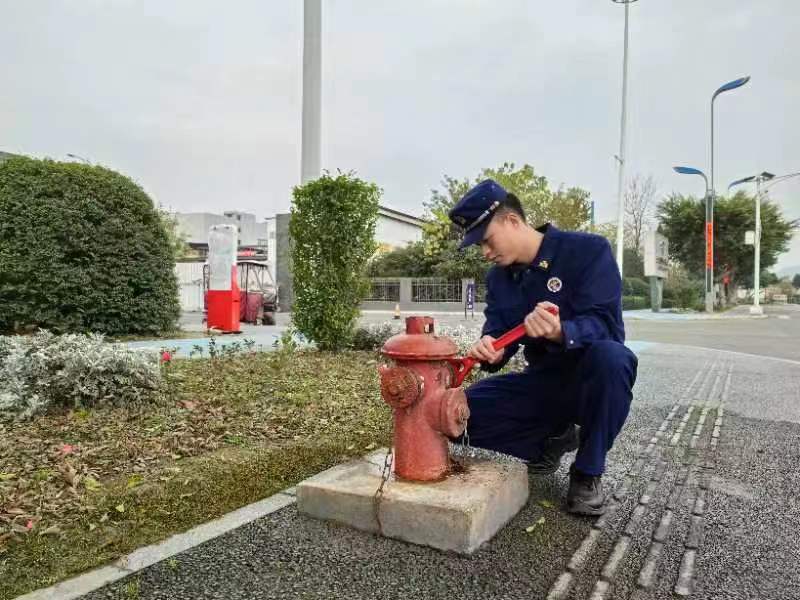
(332, 228)
(82, 248)
(635, 302)
(634, 286)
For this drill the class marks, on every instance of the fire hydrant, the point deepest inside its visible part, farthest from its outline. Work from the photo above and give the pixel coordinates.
(427, 410)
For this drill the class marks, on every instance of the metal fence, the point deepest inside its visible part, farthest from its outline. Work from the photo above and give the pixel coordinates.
(430, 289)
(384, 290)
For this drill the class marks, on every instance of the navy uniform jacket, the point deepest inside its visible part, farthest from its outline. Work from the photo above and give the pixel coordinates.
(575, 271)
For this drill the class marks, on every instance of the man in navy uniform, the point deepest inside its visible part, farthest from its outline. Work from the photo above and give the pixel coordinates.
(575, 392)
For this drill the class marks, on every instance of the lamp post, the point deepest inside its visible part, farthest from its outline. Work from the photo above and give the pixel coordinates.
(709, 234)
(621, 156)
(731, 85)
(759, 179)
(312, 90)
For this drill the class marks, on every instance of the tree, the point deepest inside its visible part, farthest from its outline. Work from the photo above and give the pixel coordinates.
(632, 259)
(409, 261)
(82, 248)
(768, 278)
(568, 208)
(639, 209)
(682, 220)
(332, 227)
(796, 280)
(177, 239)
(439, 231)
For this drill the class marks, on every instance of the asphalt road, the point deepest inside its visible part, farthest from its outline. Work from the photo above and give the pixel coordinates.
(777, 335)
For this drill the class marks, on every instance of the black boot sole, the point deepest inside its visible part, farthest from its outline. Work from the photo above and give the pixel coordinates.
(577, 507)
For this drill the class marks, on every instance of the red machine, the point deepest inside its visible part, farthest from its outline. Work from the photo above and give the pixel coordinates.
(223, 287)
(224, 307)
(424, 389)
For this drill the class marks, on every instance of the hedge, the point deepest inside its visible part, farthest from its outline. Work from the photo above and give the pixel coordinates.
(82, 249)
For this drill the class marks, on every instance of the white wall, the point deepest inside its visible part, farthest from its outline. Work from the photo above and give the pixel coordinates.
(396, 233)
(190, 285)
(196, 225)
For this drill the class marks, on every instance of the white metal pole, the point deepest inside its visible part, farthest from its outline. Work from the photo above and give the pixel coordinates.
(621, 155)
(312, 90)
(709, 233)
(757, 250)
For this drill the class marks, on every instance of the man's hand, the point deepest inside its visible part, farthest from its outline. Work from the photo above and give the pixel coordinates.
(483, 351)
(541, 323)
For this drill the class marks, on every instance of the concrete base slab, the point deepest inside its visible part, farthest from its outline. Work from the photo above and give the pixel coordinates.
(458, 514)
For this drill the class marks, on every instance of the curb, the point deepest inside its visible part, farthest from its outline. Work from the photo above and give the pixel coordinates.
(142, 558)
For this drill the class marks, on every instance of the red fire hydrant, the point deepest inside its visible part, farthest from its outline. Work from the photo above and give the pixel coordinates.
(427, 410)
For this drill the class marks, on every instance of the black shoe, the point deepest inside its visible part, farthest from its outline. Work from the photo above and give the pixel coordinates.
(554, 449)
(585, 496)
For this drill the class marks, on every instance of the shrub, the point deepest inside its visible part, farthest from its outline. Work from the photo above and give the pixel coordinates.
(635, 302)
(45, 370)
(332, 228)
(82, 248)
(372, 337)
(633, 286)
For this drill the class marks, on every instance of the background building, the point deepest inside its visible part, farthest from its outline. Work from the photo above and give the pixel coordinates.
(271, 237)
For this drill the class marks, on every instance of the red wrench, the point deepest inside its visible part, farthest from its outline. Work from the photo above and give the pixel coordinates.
(462, 366)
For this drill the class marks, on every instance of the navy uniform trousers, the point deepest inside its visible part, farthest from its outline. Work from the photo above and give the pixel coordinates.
(515, 413)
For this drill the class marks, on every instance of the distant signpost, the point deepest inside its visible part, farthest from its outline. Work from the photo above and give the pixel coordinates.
(469, 299)
(656, 266)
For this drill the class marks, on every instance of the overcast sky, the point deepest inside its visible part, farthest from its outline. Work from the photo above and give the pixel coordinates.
(200, 101)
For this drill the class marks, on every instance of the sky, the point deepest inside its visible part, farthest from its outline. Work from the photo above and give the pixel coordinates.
(200, 102)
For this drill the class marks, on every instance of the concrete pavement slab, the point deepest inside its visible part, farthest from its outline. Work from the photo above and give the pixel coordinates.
(459, 513)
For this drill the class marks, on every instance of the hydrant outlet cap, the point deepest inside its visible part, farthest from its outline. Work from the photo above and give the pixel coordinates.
(419, 342)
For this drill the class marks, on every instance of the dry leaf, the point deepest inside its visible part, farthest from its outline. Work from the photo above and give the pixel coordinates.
(134, 481)
(546, 503)
(91, 484)
(539, 521)
(69, 474)
(53, 530)
(120, 508)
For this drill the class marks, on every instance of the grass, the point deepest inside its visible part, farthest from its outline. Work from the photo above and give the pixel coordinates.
(98, 484)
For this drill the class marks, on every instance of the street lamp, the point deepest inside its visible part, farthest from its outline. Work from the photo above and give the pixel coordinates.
(709, 233)
(312, 91)
(731, 85)
(759, 179)
(621, 156)
(75, 156)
